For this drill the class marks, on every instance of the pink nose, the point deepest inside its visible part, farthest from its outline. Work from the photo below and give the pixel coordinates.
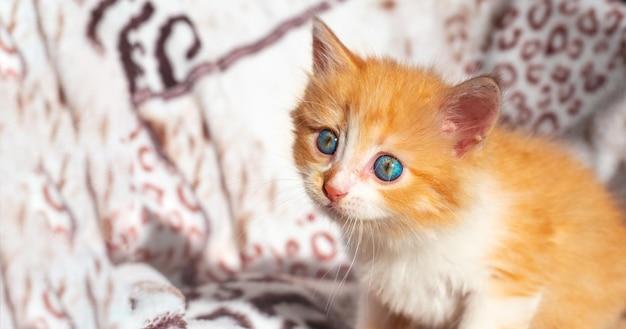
(333, 194)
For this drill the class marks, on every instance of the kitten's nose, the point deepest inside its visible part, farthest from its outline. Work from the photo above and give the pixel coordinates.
(333, 194)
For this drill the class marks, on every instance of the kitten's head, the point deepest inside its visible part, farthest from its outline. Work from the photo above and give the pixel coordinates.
(384, 143)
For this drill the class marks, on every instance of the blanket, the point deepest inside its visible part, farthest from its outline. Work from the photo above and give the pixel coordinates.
(146, 178)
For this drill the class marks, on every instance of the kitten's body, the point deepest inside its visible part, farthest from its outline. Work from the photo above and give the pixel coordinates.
(525, 233)
(485, 228)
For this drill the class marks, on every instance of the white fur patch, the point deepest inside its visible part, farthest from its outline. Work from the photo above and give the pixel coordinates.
(422, 275)
(491, 313)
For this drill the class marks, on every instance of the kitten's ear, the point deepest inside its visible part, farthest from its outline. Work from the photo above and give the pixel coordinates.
(470, 110)
(329, 53)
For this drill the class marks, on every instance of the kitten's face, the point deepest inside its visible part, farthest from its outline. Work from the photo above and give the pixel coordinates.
(367, 144)
(370, 139)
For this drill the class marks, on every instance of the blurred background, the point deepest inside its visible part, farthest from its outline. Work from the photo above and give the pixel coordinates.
(146, 178)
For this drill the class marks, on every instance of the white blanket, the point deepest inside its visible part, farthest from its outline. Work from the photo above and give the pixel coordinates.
(146, 179)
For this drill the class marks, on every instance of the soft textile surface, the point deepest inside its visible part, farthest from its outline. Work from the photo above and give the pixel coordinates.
(145, 171)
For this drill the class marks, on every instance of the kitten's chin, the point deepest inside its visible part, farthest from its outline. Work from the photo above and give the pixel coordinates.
(332, 210)
(335, 212)
(341, 215)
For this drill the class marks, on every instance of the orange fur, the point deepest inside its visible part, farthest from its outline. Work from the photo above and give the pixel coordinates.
(562, 234)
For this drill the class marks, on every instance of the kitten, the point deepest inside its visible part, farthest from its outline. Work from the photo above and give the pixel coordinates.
(454, 221)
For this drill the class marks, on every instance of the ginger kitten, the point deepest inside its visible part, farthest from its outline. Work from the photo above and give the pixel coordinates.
(454, 221)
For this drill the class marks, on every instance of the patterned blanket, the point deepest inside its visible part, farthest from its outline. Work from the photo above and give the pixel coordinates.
(145, 171)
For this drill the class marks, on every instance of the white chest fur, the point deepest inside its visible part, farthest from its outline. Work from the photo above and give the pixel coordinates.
(424, 275)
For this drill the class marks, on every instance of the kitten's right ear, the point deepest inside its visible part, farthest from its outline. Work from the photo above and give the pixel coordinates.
(329, 54)
(470, 111)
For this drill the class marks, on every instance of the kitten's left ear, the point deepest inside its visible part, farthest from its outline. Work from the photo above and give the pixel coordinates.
(470, 110)
(329, 54)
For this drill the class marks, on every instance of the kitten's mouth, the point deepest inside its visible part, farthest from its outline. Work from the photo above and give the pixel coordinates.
(334, 210)
(338, 214)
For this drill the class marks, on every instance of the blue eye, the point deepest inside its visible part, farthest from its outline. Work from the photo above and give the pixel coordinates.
(387, 168)
(327, 141)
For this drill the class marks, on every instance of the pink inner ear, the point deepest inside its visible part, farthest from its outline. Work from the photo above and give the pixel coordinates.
(470, 112)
